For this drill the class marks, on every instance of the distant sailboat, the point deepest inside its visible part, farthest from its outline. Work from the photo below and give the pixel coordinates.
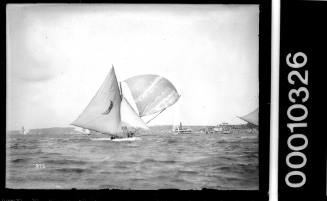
(252, 117)
(111, 112)
(24, 131)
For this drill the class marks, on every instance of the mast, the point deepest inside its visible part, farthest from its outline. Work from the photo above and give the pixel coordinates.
(120, 90)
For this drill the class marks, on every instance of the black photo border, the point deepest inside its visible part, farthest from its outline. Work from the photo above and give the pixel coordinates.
(204, 194)
(301, 30)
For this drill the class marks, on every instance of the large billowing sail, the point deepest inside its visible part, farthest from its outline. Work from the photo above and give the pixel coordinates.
(152, 93)
(102, 114)
(252, 117)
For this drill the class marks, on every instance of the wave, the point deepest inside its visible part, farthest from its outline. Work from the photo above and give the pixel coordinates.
(17, 146)
(124, 165)
(65, 161)
(159, 161)
(20, 160)
(172, 141)
(73, 170)
(150, 160)
(106, 172)
(191, 172)
(34, 152)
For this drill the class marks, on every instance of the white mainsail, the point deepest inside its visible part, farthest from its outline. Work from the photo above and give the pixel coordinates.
(252, 117)
(103, 112)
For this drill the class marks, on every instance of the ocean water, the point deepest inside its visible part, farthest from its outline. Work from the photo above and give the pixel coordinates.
(158, 161)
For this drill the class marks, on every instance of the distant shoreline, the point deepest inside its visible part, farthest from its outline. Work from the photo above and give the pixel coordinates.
(72, 130)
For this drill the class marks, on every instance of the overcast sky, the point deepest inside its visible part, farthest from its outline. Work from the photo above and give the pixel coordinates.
(58, 56)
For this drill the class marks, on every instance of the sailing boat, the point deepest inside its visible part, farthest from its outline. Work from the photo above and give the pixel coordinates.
(252, 118)
(110, 111)
(180, 130)
(24, 131)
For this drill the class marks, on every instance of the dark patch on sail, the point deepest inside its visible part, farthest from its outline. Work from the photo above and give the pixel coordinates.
(109, 108)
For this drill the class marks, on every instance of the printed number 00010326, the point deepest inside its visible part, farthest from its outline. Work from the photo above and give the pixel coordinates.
(298, 98)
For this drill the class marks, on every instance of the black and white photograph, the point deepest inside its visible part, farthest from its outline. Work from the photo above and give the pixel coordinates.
(132, 97)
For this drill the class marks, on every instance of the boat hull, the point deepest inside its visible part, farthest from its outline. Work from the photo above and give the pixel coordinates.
(182, 132)
(117, 139)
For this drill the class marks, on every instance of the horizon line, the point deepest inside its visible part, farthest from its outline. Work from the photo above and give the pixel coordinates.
(148, 126)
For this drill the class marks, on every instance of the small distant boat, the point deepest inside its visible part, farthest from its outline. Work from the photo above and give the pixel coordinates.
(222, 128)
(111, 112)
(180, 130)
(24, 131)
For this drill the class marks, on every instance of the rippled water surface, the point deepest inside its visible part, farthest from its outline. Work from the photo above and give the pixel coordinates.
(158, 161)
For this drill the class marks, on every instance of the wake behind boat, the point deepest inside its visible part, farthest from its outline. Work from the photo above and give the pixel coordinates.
(111, 111)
